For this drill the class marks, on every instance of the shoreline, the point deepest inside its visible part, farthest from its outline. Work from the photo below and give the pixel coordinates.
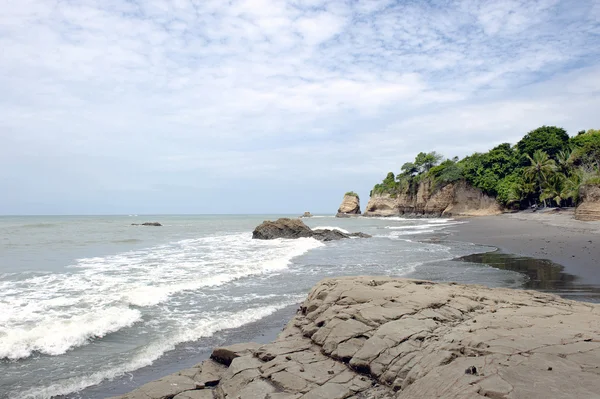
(187, 354)
(553, 236)
(503, 232)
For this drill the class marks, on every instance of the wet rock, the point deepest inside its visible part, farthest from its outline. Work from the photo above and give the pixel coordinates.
(165, 388)
(156, 224)
(295, 228)
(282, 228)
(226, 354)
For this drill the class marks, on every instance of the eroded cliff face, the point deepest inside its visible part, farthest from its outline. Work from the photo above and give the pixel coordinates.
(457, 199)
(589, 208)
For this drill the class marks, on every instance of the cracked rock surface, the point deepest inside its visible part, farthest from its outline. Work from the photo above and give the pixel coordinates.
(383, 338)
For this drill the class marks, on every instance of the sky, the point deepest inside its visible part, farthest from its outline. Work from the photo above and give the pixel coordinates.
(272, 106)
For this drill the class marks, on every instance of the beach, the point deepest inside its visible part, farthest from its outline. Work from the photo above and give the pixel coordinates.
(221, 287)
(552, 235)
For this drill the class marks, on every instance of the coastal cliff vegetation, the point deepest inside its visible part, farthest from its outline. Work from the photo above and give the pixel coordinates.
(546, 166)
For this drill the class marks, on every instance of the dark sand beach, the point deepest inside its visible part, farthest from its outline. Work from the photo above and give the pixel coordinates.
(555, 236)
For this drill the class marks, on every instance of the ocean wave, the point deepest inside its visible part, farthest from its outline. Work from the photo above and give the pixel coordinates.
(205, 327)
(53, 313)
(331, 228)
(55, 336)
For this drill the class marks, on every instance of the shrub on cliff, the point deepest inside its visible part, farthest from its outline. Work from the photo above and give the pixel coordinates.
(351, 194)
(586, 149)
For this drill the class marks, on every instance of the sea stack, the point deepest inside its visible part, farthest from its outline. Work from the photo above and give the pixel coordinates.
(350, 205)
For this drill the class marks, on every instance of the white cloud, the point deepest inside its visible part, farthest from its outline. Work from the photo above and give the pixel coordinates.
(333, 93)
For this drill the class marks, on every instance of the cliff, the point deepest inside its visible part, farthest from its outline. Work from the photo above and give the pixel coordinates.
(455, 199)
(388, 338)
(589, 206)
(350, 205)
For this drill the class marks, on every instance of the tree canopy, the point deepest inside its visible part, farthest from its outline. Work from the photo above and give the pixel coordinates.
(550, 139)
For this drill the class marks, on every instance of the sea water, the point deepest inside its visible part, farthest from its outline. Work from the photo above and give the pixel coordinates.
(86, 300)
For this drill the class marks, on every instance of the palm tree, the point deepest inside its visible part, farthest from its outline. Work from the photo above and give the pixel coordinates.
(554, 189)
(571, 186)
(563, 163)
(540, 169)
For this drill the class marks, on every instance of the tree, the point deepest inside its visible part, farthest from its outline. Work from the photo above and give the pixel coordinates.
(409, 169)
(424, 161)
(540, 168)
(554, 189)
(549, 139)
(563, 162)
(486, 170)
(586, 149)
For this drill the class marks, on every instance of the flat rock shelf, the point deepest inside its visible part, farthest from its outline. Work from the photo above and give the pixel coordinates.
(379, 337)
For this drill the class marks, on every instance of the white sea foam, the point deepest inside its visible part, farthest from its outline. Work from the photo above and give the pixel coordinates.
(205, 327)
(331, 228)
(55, 312)
(55, 336)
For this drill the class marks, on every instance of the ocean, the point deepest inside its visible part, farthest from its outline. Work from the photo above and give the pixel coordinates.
(91, 304)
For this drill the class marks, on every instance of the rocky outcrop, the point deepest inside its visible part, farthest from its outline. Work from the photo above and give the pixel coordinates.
(295, 228)
(156, 224)
(306, 215)
(589, 206)
(381, 337)
(456, 199)
(350, 205)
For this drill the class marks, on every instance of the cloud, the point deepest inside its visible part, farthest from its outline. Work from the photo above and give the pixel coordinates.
(205, 99)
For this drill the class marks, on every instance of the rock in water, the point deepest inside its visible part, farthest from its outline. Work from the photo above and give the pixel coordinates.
(282, 228)
(147, 224)
(350, 205)
(306, 215)
(295, 228)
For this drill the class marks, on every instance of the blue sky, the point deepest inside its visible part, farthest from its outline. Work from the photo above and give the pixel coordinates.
(269, 106)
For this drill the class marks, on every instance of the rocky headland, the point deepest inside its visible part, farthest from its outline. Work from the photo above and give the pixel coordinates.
(296, 228)
(350, 205)
(455, 199)
(589, 203)
(381, 337)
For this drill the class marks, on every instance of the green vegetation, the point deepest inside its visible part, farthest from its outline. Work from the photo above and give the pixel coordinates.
(352, 194)
(546, 166)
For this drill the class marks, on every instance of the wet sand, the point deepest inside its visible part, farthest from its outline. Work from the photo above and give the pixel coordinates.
(554, 236)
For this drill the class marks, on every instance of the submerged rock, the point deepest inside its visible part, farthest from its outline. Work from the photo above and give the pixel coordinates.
(295, 228)
(147, 224)
(391, 338)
